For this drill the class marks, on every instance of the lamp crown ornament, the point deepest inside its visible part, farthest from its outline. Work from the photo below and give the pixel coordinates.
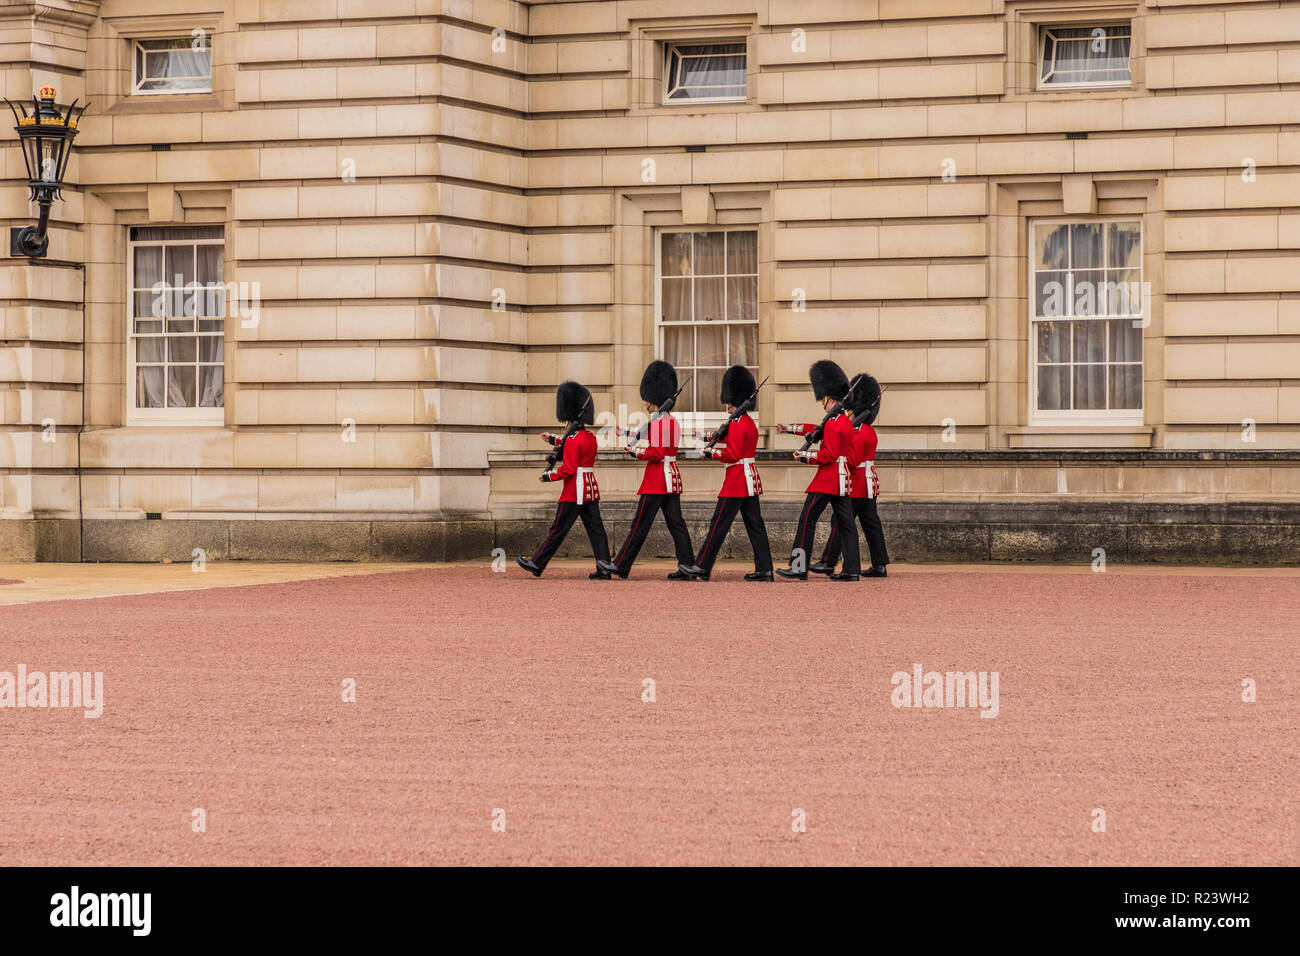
(45, 133)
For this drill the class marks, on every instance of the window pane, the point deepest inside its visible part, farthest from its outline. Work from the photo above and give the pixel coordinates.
(212, 387)
(150, 350)
(1051, 247)
(686, 400)
(711, 345)
(1089, 341)
(1085, 292)
(679, 345)
(742, 345)
(212, 348)
(1089, 386)
(1121, 294)
(742, 299)
(175, 233)
(1053, 342)
(1050, 294)
(1125, 341)
(179, 266)
(211, 264)
(149, 387)
(675, 255)
(1086, 245)
(742, 253)
(182, 349)
(150, 306)
(710, 259)
(709, 295)
(1125, 386)
(180, 325)
(211, 300)
(1053, 387)
(675, 299)
(1124, 245)
(1087, 54)
(707, 70)
(708, 386)
(148, 266)
(180, 386)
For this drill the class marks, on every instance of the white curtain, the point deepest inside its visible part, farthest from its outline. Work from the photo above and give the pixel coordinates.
(707, 70)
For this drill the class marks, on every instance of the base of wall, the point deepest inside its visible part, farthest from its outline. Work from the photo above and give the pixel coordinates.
(1242, 533)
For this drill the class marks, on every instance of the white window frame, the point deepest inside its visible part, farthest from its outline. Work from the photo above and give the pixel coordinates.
(1043, 28)
(671, 48)
(1083, 416)
(702, 419)
(166, 416)
(136, 46)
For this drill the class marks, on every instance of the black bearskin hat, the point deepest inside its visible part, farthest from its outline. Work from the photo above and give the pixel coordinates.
(827, 378)
(737, 385)
(658, 383)
(569, 399)
(866, 397)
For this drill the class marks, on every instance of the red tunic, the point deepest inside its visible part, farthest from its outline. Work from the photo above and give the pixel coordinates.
(866, 483)
(741, 478)
(576, 469)
(661, 474)
(837, 457)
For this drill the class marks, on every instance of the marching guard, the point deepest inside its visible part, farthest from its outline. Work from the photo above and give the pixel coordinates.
(573, 462)
(741, 485)
(864, 403)
(831, 485)
(661, 484)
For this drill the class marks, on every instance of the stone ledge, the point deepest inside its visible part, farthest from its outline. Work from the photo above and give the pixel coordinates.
(958, 456)
(1249, 533)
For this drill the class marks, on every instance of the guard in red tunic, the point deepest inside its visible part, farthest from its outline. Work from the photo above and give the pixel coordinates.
(741, 485)
(835, 461)
(865, 406)
(579, 495)
(661, 485)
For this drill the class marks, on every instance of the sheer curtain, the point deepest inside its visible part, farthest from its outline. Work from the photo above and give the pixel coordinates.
(1086, 54)
(706, 70)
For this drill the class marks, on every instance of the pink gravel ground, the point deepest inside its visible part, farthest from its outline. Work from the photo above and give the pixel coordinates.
(478, 691)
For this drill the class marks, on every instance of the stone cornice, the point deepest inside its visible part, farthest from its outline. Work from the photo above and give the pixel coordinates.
(81, 13)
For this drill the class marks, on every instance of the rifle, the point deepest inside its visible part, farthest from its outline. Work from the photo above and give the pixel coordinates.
(569, 432)
(644, 431)
(836, 409)
(744, 408)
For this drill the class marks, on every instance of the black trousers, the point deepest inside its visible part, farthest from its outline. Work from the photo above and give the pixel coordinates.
(723, 515)
(646, 509)
(842, 509)
(565, 515)
(872, 529)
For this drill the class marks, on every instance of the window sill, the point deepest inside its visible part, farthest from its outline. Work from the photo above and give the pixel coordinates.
(195, 422)
(168, 103)
(729, 106)
(1080, 436)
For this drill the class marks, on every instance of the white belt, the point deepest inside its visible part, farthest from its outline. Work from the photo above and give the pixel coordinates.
(868, 467)
(580, 486)
(842, 468)
(669, 461)
(745, 464)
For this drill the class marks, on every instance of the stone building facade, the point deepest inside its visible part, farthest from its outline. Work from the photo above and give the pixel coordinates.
(1065, 235)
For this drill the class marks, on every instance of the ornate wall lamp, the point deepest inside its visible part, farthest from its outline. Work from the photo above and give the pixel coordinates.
(46, 136)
